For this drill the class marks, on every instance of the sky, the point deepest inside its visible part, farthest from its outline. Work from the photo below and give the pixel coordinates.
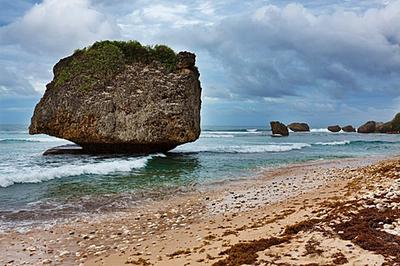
(322, 62)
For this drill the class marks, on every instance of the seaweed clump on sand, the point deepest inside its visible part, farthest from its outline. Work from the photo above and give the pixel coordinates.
(246, 253)
(365, 221)
(365, 230)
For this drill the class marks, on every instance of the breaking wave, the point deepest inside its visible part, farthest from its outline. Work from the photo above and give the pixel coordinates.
(230, 134)
(24, 140)
(273, 147)
(320, 130)
(333, 143)
(38, 174)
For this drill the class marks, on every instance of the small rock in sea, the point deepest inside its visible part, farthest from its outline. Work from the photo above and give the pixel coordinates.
(348, 128)
(299, 127)
(335, 128)
(279, 128)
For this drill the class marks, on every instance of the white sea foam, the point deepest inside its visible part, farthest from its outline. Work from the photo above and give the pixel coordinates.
(273, 147)
(320, 130)
(38, 174)
(216, 136)
(33, 139)
(334, 143)
(229, 134)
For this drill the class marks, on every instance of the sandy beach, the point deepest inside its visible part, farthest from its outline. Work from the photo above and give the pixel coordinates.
(338, 212)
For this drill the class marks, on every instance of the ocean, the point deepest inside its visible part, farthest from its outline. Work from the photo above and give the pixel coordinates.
(34, 187)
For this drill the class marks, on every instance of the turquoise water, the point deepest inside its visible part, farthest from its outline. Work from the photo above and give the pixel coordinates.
(66, 184)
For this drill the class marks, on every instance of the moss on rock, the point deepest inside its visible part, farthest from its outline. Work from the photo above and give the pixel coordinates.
(96, 65)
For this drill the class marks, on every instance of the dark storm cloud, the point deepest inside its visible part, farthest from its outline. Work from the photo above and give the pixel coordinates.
(277, 51)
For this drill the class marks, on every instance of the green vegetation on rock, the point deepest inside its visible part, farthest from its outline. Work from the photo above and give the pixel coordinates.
(96, 65)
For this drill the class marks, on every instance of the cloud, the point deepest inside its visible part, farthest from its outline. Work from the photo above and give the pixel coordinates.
(13, 86)
(31, 44)
(282, 51)
(306, 60)
(12, 9)
(54, 27)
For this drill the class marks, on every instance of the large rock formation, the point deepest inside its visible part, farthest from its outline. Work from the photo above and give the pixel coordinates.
(368, 127)
(299, 127)
(391, 127)
(383, 127)
(121, 97)
(279, 129)
(348, 128)
(335, 128)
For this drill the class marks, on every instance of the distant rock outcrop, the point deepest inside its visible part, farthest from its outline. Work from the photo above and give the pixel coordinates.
(349, 129)
(299, 127)
(383, 127)
(368, 127)
(335, 128)
(122, 97)
(391, 127)
(279, 129)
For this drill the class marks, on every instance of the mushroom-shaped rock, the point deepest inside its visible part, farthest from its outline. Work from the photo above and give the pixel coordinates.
(368, 127)
(279, 128)
(348, 128)
(335, 128)
(122, 97)
(299, 127)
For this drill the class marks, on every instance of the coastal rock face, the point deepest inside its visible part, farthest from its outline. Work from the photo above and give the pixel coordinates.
(368, 127)
(383, 127)
(349, 128)
(391, 127)
(335, 128)
(122, 97)
(299, 127)
(279, 128)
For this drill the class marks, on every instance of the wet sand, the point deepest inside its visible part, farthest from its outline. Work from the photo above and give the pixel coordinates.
(317, 213)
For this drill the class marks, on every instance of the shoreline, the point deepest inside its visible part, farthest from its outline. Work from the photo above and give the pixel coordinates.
(21, 220)
(194, 227)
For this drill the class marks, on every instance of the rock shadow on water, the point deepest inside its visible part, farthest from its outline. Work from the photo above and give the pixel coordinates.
(123, 149)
